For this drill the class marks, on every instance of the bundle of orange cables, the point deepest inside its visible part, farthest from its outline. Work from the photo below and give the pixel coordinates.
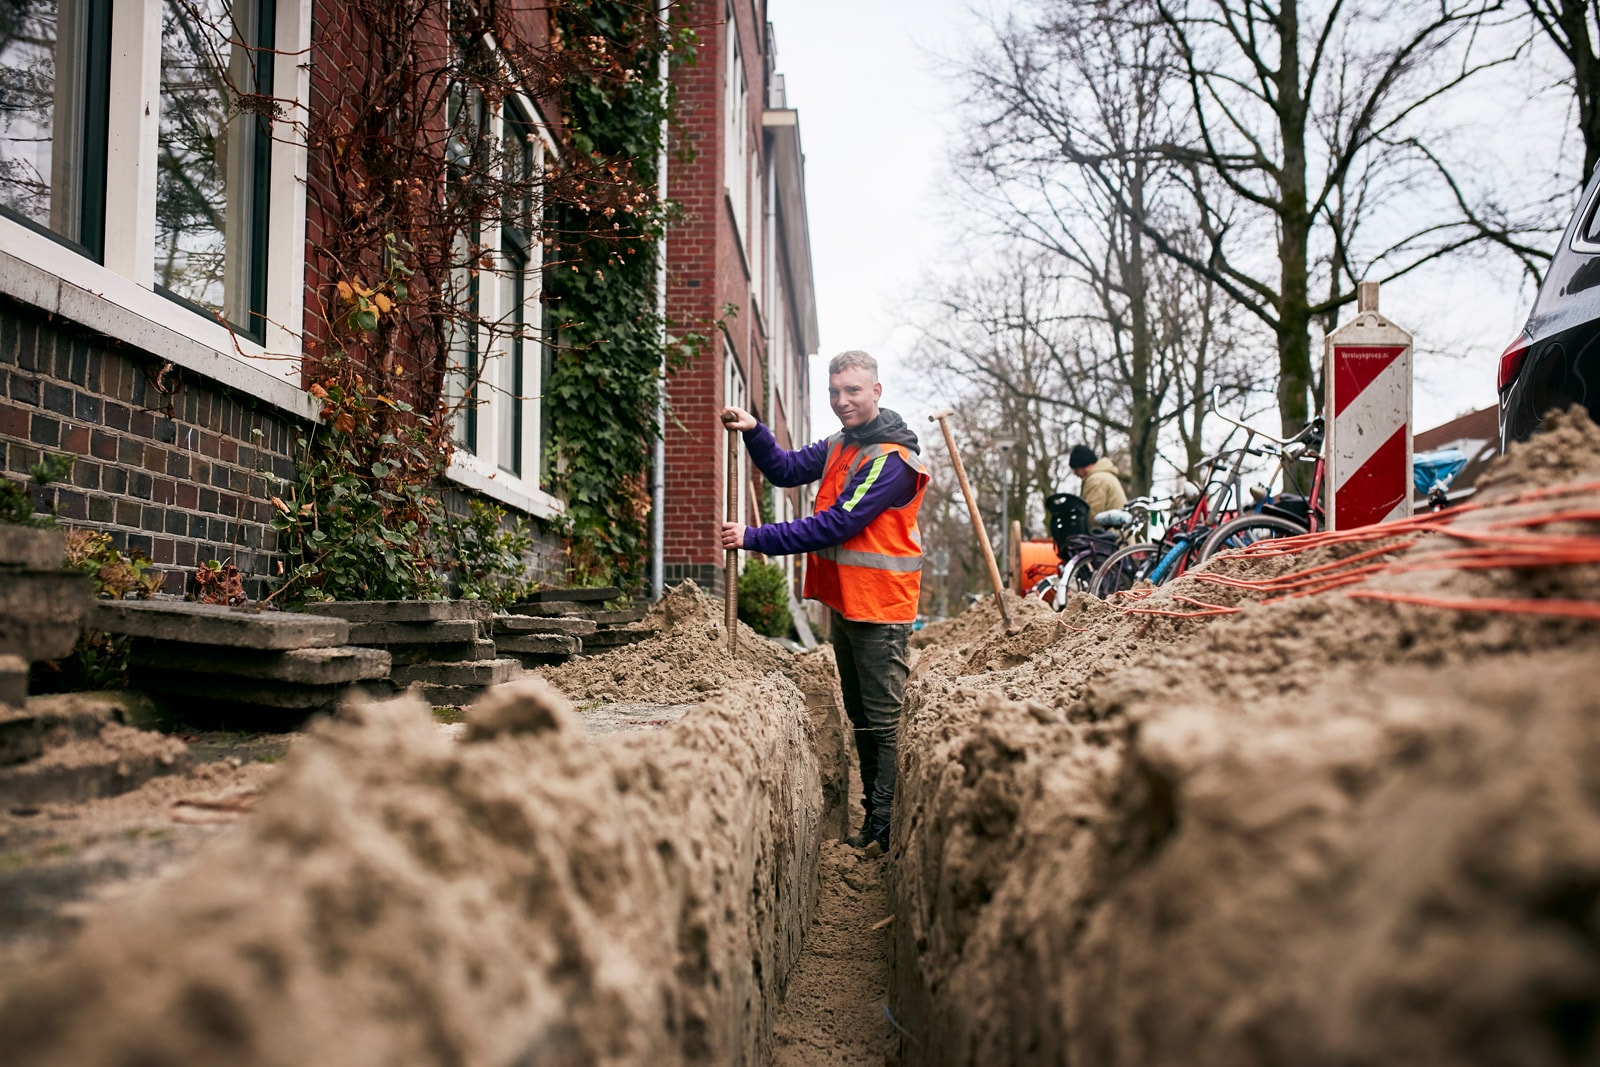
(1498, 545)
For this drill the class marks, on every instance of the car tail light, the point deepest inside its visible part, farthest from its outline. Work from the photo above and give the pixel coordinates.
(1511, 360)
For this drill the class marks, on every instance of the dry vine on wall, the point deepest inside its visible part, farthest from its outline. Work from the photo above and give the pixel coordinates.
(410, 175)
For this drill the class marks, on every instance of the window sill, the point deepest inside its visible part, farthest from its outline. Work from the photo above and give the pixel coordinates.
(37, 271)
(472, 473)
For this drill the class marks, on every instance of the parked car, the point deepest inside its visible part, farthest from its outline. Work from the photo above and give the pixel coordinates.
(1555, 361)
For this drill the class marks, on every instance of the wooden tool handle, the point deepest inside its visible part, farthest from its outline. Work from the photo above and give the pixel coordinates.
(977, 520)
(730, 563)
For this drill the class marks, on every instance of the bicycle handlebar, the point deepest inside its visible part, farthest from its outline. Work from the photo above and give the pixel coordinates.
(1281, 442)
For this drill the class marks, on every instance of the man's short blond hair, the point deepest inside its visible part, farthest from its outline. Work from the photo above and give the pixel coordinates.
(854, 358)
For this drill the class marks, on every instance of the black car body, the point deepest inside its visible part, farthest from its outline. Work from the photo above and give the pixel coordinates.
(1555, 361)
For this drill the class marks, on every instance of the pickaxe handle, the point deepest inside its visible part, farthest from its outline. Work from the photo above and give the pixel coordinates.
(730, 563)
(943, 419)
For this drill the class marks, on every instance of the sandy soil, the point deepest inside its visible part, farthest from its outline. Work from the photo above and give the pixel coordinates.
(1319, 831)
(686, 658)
(834, 1011)
(517, 896)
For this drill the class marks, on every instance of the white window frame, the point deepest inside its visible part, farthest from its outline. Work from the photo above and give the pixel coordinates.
(117, 297)
(736, 133)
(479, 469)
(735, 394)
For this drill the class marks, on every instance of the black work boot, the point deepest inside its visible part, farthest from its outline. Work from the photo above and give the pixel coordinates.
(861, 838)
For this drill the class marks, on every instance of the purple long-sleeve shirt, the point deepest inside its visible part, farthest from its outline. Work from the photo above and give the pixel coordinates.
(893, 484)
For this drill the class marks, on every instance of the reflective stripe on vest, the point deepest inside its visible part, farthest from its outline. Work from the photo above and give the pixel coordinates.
(878, 561)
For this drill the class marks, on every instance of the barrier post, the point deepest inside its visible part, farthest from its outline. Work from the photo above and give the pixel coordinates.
(1367, 382)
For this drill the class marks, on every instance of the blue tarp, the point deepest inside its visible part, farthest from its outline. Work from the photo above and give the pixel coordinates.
(1436, 469)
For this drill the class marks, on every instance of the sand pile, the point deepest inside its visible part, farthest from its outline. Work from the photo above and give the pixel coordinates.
(1320, 831)
(518, 897)
(687, 658)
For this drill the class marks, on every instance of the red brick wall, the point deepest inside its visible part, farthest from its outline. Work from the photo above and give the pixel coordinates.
(706, 272)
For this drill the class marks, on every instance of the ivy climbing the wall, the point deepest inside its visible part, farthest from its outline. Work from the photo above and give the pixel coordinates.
(409, 178)
(605, 374)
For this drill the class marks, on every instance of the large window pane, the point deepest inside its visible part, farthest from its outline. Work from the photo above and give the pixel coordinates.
(211, 184)
(53, 83)
(508, 404)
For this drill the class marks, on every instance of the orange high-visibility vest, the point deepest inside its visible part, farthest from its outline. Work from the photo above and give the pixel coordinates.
(876, 576)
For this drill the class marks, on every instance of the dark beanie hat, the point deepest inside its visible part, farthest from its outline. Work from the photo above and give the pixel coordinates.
(1082, 456)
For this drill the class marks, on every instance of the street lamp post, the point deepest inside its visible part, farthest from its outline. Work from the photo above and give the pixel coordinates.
(1005, 445)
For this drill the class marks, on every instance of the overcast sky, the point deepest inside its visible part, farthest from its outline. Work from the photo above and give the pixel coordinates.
(876, 125)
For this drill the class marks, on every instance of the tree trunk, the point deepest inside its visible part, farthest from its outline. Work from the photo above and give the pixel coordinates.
(1142, 420)
(1294, 232)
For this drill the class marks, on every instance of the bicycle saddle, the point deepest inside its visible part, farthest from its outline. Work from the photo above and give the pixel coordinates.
(1114, 519)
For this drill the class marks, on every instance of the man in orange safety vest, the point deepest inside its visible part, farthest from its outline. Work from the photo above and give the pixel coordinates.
(864, 557)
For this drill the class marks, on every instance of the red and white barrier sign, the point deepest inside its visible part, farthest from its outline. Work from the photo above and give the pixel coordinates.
(1368, 385)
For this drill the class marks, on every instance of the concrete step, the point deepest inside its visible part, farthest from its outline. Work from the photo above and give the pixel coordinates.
(303, 666)
(214, 624)
(385, 634)
(206, 691)
(403, 610)
(606, 640)
(540, 644)
(68, 747)
(31, 727)
(42, 612)
(33, 548)
(532, 624)
(13, 680)
(480, 673)
(597, 594)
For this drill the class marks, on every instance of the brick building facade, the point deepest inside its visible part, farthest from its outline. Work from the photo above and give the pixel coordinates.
(159, 287)
(742, 246)
(156, 299)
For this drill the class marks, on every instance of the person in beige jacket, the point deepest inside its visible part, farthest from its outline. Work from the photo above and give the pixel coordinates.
(1102, 487)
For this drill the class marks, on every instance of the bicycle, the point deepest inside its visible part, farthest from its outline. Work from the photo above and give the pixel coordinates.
(1080, 547)
(1179, 548)
(1288, 514)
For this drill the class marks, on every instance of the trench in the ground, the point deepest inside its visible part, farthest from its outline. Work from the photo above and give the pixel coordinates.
(629, 882)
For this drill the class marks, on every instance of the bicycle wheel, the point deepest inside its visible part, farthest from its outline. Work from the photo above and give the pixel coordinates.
(1247, 530)
(1123, 568)
(1077, 572)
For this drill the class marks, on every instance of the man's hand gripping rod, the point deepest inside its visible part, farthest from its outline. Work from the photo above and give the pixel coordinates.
(942, 418)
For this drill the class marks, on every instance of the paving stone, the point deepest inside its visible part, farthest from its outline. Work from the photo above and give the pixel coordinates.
(29, 728)
(42, 612)
(99, 768)
(605, 640)
(13, 680)
(592, 612)
(532, 624)
(33, 548)
(442, 695)
(548, 644)
(216, 689)
(403, 610)
(215, 624)
(455, 652)
(304, 666)
(412, 633)
(22, 738)
(617, 618)
(590, 595)
(479, 673)
(532, 661)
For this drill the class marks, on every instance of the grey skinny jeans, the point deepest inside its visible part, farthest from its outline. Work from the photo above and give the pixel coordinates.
(872, 675)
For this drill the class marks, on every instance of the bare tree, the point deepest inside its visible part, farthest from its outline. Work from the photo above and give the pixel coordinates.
(1066, 115)
(1573, 26)
(1297, 114)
